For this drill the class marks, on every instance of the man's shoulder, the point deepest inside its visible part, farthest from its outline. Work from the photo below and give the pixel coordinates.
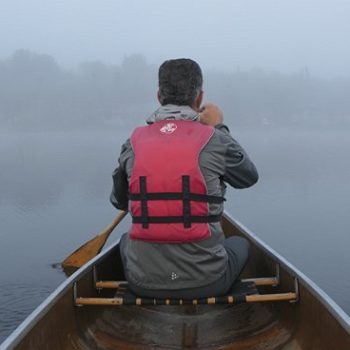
(126, 148)
(221, 136)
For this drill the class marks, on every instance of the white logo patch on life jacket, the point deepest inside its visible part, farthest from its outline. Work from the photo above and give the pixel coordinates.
(168, 128)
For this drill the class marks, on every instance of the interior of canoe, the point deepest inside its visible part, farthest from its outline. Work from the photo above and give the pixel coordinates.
(264, 325)
(241, 326)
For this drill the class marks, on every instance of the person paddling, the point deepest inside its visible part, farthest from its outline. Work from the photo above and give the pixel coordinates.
(171, 176)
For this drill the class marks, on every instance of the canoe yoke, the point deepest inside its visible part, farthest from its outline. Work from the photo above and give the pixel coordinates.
(244, 291)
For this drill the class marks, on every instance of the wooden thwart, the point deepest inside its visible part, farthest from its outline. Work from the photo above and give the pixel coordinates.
(230, 299)
(110, 284)
(245, 292)
(265, 281)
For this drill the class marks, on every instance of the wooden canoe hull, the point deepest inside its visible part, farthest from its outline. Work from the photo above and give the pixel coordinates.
(315, 322)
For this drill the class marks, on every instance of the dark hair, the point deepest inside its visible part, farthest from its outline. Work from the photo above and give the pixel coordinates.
(180, 82)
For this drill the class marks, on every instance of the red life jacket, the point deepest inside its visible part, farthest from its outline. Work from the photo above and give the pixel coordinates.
(168, 193)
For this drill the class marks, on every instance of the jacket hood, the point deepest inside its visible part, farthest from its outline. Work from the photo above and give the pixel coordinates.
(173, 112)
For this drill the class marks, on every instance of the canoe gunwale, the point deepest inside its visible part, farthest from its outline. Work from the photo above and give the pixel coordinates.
(337, 312)
(26, 326)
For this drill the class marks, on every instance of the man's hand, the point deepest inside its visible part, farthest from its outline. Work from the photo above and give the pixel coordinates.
(211, 114)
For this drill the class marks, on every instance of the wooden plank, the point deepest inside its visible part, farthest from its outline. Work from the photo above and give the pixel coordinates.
(263, 281)
(271, 297)
(110, 284)
(99, 301)
(210, 301)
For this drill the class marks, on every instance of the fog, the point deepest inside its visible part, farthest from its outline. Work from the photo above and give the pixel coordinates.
(272, 34)
(77, 77)
(37, 93)
(73, 65)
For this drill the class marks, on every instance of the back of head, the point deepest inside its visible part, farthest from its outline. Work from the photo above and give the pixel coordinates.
(180, 82)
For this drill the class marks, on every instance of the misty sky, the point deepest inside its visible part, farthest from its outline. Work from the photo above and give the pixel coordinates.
(284, 35)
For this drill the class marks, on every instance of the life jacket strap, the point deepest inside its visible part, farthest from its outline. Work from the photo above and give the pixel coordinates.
(176, 219)
(186, 196)
(143, 198)
(154, 196)
(186, 201)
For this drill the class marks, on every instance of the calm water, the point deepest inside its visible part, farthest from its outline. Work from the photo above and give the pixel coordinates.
(54, 190)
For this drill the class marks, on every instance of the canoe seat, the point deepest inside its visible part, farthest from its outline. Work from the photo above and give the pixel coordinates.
(244, 291)
(238, 293)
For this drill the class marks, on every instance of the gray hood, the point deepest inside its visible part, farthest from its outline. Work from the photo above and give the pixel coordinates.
(173, 112)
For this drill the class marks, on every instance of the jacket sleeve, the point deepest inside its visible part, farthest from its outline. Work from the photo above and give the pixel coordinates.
(240, 172)
(119, 195)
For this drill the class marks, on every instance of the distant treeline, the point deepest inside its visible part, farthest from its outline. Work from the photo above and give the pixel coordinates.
(35, 92)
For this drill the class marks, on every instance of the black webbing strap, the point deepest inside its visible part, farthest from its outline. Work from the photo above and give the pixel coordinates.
(186, 201)
(176, 219)
(185, 196)
(144, 208)
(154, 196)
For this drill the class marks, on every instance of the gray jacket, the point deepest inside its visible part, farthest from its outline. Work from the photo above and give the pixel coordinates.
(190, 265)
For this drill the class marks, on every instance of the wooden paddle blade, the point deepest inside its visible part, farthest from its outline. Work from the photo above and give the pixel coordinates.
(91, 248)
(86, 252)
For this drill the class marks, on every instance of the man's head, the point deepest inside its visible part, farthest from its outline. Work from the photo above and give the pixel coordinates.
(180, 83)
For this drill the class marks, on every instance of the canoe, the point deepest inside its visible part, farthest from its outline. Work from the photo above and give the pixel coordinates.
(283, 309)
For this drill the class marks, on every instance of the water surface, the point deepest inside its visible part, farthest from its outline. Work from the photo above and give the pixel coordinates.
(54, 196)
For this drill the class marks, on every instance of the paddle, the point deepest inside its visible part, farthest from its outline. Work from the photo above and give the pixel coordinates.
(91, 248)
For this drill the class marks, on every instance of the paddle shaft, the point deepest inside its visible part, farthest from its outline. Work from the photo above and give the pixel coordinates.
(91, 248)
(109, 229)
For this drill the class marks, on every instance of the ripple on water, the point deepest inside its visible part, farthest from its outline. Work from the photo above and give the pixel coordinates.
(18, 300)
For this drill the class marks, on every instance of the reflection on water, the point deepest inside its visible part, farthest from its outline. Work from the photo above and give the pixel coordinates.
(54, 196)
